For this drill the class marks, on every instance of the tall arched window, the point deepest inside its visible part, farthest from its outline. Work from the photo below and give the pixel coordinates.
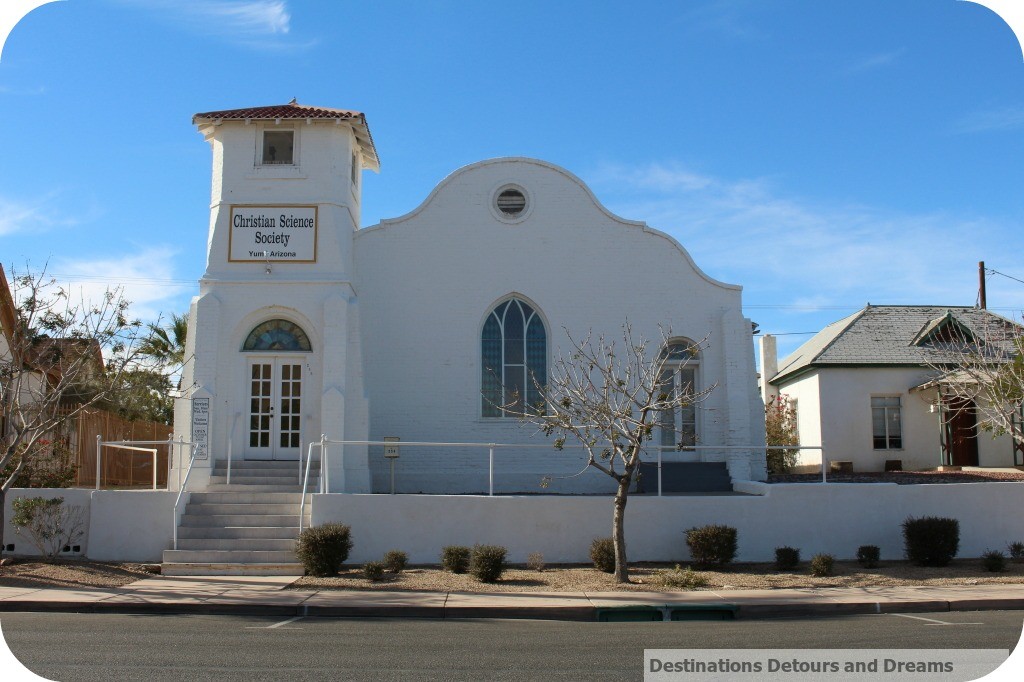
(679, 374)
(277, 336)
(514, 352)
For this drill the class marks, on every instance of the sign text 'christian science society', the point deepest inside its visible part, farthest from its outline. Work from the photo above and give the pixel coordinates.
(273, 233)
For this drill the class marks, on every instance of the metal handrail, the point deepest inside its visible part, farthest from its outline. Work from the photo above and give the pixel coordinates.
(129, 445)
(181, 491)
(305, 478)
(231, 442)
(326, 442)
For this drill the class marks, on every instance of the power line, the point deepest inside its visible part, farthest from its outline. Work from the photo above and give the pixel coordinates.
(996, 272)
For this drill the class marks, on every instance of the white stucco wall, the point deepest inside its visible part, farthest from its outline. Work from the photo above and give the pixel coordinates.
(426, 282)
(832, 518)
(808, 418)
(76, 497)
(131, 525)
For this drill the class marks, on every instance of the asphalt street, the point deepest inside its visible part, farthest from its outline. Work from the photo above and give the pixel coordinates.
(87, 647)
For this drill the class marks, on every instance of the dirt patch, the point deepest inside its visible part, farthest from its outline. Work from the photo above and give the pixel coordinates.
(644, 577)
(903, 477)
(70, 573)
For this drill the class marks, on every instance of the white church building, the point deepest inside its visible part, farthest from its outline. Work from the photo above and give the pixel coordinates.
(308, 324)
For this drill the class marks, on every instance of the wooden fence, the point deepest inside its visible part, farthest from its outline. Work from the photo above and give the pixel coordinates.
(119, 468)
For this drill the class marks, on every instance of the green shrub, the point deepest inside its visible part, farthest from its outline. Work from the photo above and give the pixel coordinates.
(602, 553)
(712, 545)
(487, 562)
(374, 570)
(786, 558)
(535, 561)
(868, 556)
(50, 525)
(931, 540)
(455, 558)
(994, 561)
(679, 579)
(822, 565)
(395, 561)
(1016, 550)
(323, 549)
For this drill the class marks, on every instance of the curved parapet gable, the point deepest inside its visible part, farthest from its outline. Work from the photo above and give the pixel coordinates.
(449, 182)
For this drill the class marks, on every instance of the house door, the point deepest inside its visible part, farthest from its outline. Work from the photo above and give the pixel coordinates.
(275, 408)
(962, 433)
(679, 424)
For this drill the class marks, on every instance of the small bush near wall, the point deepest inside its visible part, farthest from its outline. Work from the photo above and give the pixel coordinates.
(535, 561)
(931, 540)
(994, 561)
(455, 558)
(323, 549)
(712, 545)
(868, 556)
(602, 553)
(374, 570)
(395, 561)
(1016, 550)
(488, 563)
(786, 558)
(822, 565)
(49, 524)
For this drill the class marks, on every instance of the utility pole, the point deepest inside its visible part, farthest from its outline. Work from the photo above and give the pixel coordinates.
(981, 285)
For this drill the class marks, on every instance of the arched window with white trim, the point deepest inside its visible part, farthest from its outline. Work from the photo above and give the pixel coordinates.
(680, 375)
(514, 352)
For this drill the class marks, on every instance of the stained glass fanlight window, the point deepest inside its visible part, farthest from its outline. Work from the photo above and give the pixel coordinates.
(514, 351)
(277, 336)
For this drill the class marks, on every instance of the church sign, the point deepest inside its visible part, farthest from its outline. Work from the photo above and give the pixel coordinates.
(273, 233)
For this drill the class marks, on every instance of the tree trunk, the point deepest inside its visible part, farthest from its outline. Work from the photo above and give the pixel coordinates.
(619, 530)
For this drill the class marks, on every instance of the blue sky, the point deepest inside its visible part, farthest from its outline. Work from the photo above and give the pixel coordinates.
(821, 154)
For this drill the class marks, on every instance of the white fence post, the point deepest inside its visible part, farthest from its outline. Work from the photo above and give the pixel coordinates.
(490, 472)
(99, 451)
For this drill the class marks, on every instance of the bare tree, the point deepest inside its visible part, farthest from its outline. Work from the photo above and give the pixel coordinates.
(981, 369)
(611, 399)
(58, 357)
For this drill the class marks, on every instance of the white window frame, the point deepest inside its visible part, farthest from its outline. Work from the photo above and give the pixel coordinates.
(675, 366)
(270, 127)
(885, 418)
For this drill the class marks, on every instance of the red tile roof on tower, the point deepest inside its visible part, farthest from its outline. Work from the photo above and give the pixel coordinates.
(293, 111)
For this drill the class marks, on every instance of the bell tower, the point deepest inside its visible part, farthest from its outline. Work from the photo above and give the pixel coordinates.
(273, 336)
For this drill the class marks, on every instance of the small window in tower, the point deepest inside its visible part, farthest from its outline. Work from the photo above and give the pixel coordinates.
(278, 146)
(511, 202)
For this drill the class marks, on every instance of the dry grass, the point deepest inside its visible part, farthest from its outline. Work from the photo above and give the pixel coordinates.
(644, 577)
(70, 573)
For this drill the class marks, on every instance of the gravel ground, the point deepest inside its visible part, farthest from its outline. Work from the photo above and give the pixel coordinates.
(903, 477)
(70, 573)
(644, 577)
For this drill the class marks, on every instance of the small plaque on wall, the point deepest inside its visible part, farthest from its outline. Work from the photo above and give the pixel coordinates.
(201, 427)
(273, 233)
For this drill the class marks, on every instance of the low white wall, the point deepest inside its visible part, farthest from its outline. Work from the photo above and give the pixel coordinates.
(72, 497)
(131, 525)
(835, 518)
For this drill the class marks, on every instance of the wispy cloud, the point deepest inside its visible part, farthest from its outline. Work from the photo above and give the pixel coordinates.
(1005, 118)
(22, 92)
(726, 17)
(876, 61)
(810, 255)
(19, 215)
(260, 24)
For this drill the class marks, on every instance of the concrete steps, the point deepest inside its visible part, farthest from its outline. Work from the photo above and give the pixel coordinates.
(246, 528)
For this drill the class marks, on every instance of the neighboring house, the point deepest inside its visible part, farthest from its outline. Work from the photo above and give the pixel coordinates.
(308, 323)
(866, 390)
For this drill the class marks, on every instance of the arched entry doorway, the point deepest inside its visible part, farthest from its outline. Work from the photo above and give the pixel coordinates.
(276, 370)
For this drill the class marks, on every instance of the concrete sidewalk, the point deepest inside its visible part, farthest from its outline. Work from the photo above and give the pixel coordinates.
(268, 596)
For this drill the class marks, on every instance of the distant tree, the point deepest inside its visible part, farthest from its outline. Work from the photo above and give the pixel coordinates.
(58, 357)
(610, 399)
(781, 429)
(142, 395)
(165, 344)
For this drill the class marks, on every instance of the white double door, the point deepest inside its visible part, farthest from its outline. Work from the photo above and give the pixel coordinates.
(275, 408)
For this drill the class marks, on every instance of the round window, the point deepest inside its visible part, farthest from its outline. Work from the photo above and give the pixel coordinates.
(511, 202)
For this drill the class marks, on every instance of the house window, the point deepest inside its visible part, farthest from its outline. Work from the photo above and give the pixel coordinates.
(886, 423)
(276, 336)
(678, 425)
(514, 351)
(278, 147)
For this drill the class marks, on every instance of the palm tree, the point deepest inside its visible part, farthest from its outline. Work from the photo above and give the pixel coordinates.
(166, 345)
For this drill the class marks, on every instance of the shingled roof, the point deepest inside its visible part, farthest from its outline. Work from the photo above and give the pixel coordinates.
(885, 335)
(293, 111)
